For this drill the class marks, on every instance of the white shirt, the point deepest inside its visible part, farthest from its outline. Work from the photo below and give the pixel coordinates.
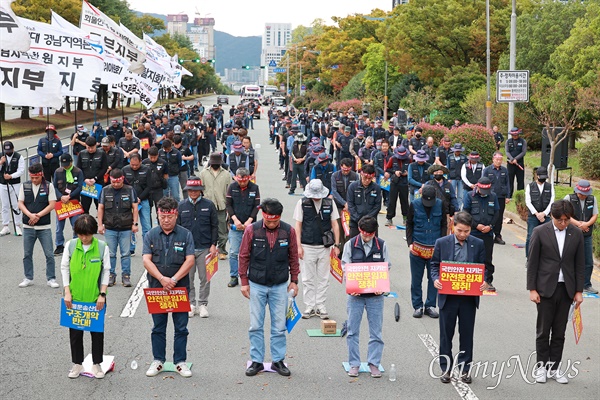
(65, 264)
(540, 188)
(20, 167)
(36, 189)
(560, 239)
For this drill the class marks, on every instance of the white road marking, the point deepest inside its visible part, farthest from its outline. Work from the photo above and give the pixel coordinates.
(135, 298)
(464, 390)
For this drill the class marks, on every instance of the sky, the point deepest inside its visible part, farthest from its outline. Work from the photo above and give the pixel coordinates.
(248, 17)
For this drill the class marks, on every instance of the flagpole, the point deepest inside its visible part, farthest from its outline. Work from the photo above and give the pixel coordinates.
(76, 101)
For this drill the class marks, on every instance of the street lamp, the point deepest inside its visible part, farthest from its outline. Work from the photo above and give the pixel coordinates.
(488, 103)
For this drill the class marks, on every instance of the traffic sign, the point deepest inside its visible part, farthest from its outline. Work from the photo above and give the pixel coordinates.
(336, 66)
(272, 63)
(303, 87)
(203, 60)
(512, 86)
(279, 70)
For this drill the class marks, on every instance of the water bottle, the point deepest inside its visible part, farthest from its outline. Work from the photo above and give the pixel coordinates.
(134, 364)
(233, 227)
(393, 373)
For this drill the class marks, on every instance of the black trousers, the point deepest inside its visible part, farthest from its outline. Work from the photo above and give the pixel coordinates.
(551, 325)
(488, 242)
(462, 308)
(498, 226)
(86, 203)
(397, 191)
(49, 169)
(515, 171)
(76, 338)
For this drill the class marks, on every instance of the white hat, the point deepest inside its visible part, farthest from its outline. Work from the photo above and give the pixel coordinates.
(315, 190)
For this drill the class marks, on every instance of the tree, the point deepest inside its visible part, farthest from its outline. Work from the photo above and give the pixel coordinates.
(419, 103)
(39, 10)
(457, 83)
(355, 89)
(374, 62)
(405, 84)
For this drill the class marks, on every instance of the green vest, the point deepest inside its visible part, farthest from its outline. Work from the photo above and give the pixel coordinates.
(86, 270)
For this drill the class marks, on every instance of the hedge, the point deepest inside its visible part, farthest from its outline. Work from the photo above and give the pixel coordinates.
(475, 138)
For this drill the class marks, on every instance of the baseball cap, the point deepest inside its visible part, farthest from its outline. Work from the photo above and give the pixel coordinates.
(65, 160)
(105, 141)
(428, 196)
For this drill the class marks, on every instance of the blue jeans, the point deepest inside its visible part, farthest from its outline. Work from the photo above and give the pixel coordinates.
(276, 297)
(374, 307)
(159, 336)
(195, 162)
(123, 240)
(532, 222)
(457, 185)
(45, 238)
(172, 189)
(144, 214)
(417, 266)
(60, 227)
(589, 260)
(235, 240)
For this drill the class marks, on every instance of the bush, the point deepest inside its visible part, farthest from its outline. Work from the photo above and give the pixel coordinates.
(344, 106)
(300, 102)
(591, 154)
(475, 138)
(435, 131)
(319, 104)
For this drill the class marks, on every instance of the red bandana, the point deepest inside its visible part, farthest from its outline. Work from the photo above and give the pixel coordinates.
(270, 217)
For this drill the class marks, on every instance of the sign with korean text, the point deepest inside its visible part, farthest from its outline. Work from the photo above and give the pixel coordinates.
(512, 87)
(577, 324)
(384, 184)
(212, 266)
(92, 191)
(67, 210)
(346, 222)
(422, 250)
(162, 301)
(13, 36)
(463, 279)
(82, 316)
(336, 267)
(367, 277)
(292, 316)
(145, 143)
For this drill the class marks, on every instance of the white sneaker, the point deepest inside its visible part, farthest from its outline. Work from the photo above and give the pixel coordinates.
(203, 311)
(97, 371)
(53, 284)
(558, 377)
(322, 312)
(26, 282)
(5, 231)
(192, 310)
(183, 369)
(540, 375)
(18, 230)
(155, 368)
(76, 369)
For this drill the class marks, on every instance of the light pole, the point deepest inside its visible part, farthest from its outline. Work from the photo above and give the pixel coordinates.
(513, 56)
(385, 96)
(488, 103)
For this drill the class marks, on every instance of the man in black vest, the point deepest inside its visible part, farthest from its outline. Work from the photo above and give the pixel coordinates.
(12, 167)
(298, 152)
(323, 170)
(585, 215)
(129, 144)
(442, 152)
(516, 148)
(118, 219)
(237, 158)
(539, 196)
(417, 173)
(137, 176)
(187, 157)
(94, 164)
(252, 157)
(50, 149)
(342, 143)
(68, 182)
(498, 175)
(455, 162)
(443, 188)
(363, 197)
(396, 170)
(114, 156)
(173, 159)
(471, 171)
(317, 221)
(78, 141)
(157, 176)
(268, 258)
(243, 201)
(36, 200)
(340, 182)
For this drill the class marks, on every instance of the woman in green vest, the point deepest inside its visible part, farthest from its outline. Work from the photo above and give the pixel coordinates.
(85, 270)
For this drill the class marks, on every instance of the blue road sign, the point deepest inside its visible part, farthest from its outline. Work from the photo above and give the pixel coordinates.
(336, 66)
(272, 63)
(278, 70)
(303, 87)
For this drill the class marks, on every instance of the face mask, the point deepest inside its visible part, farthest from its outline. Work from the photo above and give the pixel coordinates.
(418, 135)
(542, 180)
(8, 154)
(215, 166)
(438, 177)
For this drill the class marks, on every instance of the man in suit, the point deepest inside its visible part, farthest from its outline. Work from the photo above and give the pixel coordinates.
(555, 278)
(460, 247)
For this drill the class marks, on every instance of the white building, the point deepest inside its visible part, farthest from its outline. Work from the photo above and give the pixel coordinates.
(177, 24)
(202, 36)
(274, 43)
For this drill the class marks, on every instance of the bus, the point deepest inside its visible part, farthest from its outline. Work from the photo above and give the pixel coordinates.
(250, 92)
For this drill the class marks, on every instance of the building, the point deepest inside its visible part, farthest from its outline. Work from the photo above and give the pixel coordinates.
(202, 36)
(177, 24)
(398, 2)
(245, 76)
(274, 43)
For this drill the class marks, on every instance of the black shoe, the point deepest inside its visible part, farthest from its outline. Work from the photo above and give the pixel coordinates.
(131, 253)
(254, 368)
(446, 378)
(59, 250)
(126, 280)
(430, 311)
(111, 279)
(498, 240)
(280, 368)
(466, 378)
(287, 186)
(233, 282)
(291, 192)
(418, 313)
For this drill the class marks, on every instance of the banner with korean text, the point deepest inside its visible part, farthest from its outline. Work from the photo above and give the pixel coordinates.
(336, 267)
(82, 316)
(160, 301)
(463, 279)
(367, 277)
(212, 266)
(67, 210)
(13, 35)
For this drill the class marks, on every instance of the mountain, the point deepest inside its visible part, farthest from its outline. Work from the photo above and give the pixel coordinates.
(232, 51)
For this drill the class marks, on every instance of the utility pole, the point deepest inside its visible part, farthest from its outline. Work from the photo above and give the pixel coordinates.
(488, 103)
(385, 96)
(513, 56)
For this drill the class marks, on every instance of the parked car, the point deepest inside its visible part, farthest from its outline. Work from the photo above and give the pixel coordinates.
(222, 99)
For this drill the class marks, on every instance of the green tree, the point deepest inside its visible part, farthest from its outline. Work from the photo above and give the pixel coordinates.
(419, 103)
(374, 78)
(459, 81)
(40, 10)
(405, 84)
(355, 89)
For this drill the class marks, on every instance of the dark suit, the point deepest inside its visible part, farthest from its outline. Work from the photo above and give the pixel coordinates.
(453, 307)
(556, 297)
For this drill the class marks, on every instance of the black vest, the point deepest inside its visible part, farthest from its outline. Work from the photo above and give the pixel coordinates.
(269, 266)
(454, 166)
(243, 200)
(156, 172)
(339, 183)
(35, 204)
(345, 142)
(91, 164)
(444, 193)
(61, 180)
(137, 179)
(312, 234)
(171, 160)
(324, 174)
(50, 146)
(515, 147)
(540, 200)
(118, 214)
(358, 251)
(10, 168)
(588, 210)
(251, 160)
(234, 165)
(473, 175)
(168, 261)
(417, 175)
(482, 209)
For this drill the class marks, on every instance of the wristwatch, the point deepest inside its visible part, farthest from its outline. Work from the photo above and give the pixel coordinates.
(174, 280)
(135, 224)
(103, 294)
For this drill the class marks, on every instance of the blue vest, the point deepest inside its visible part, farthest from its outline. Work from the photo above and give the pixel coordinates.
(427, 229)
(358, 251)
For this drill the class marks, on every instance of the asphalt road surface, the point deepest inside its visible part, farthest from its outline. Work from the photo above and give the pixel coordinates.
(35, 351)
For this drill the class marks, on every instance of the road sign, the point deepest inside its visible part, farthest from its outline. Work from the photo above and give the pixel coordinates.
(278, 70)
(272, 63)
(336, 66)
(512, 86)
(203, 60)
(303, 87)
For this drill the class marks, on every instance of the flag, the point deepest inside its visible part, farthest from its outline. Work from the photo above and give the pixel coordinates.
(13, 35)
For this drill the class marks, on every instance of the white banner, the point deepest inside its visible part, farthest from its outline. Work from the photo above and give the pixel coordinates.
(79, 65)
(13, 36)
(112, 37)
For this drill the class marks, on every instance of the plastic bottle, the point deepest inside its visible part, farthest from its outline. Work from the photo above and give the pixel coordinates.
(134, 364)
(392, 373)
(233, 227)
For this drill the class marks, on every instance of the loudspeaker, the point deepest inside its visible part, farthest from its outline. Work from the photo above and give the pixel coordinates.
(561, 152)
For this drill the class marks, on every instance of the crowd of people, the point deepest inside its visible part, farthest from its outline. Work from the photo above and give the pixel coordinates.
(347, 166)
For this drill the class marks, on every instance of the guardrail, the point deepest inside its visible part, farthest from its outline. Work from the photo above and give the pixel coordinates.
(31, 156)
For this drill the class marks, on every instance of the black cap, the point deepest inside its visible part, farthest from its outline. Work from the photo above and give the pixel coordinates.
(8, 145)
(65, 160)
(542, 172)
(485, 185)
(428, 196)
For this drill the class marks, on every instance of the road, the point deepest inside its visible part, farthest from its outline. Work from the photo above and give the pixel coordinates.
(36, 357)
